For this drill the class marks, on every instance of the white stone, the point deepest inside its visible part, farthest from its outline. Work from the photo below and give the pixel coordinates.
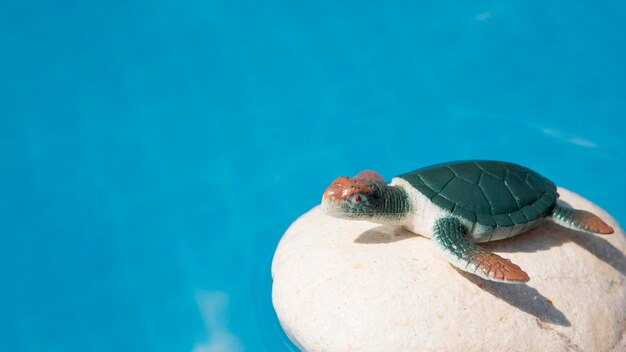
(344, 285)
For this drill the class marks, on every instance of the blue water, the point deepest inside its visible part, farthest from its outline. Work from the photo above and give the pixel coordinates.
(152, 153)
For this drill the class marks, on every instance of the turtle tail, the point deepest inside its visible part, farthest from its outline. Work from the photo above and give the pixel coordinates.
(580, 220)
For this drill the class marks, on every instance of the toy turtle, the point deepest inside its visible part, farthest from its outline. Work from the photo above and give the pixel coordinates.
(459, 204)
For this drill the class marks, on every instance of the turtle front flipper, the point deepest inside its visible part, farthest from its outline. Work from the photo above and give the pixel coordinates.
(450, 238)
(581, 220)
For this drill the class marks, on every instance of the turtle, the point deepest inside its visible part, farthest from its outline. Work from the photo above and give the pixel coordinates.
(458, 205)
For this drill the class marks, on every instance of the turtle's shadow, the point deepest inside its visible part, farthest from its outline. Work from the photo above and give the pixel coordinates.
(385, 234)
(542, 238)
(550, 235)
(522, 297)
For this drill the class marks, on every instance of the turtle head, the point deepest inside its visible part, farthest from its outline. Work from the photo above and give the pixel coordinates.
(354, 198)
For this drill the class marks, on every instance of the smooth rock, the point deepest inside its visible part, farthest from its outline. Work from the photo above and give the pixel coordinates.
(357, 286)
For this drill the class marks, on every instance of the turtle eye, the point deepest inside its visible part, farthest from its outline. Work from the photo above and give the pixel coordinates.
(357, 199)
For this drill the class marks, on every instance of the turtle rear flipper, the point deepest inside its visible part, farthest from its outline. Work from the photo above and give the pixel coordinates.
(450, 238)
(581, 220)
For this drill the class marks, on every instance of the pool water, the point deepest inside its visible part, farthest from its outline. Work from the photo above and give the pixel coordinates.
(153, 153)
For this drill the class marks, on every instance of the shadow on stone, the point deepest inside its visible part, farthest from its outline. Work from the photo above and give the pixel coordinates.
(564, 203)
(550, 235)
(601, 248)
(522, 297)
(541, 238)
(385, 234)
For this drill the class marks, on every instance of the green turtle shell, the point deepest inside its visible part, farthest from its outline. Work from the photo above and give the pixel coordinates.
(490, 193)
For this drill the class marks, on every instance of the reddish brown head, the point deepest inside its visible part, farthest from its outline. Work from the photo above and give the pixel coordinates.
(344, 188)
(355, 197)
